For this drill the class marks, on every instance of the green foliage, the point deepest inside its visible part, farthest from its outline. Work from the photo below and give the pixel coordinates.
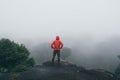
(117, 71)
(13, 56)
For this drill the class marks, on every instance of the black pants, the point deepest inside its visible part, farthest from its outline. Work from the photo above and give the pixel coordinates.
(56, 52)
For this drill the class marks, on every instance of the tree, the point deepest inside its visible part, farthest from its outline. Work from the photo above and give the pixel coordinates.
(117, 71)
(13, 56)
(66, 52)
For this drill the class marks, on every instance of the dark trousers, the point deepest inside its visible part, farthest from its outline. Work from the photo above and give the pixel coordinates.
(56, 52)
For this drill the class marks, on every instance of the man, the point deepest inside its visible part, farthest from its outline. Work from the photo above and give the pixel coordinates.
(57, 45)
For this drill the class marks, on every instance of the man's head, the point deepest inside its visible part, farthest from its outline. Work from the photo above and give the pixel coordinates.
(57, 37)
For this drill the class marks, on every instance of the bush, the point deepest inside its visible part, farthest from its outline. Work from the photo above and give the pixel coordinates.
(66, 52)
(13, 56)
(117, 71)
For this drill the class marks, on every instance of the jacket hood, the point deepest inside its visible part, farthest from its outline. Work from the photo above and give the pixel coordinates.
(57, 38)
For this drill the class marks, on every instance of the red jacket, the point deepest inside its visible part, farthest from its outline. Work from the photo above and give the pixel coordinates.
(57, 44)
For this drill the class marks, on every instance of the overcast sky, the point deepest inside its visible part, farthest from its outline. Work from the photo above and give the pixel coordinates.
(36, 19)
(85, 26)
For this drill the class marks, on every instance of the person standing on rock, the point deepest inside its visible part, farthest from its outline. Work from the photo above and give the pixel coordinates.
(56, 45)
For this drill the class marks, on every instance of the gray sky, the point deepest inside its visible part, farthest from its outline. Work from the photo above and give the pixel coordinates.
(44, 19)
(86, 26)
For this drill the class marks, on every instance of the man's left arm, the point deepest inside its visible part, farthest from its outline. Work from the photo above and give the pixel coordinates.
(61, 45)
(52, 44)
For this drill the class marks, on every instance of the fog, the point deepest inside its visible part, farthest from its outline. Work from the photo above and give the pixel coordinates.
(99, 55)
(90, 28)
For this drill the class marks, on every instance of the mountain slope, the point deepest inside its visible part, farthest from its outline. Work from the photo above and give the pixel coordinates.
(65, 71)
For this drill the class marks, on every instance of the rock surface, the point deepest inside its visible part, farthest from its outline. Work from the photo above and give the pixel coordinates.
(64, 71)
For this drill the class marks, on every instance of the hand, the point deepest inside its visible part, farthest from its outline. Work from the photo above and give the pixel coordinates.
(60, 47)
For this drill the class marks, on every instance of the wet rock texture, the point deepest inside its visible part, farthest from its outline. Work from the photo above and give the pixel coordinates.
(63, 71)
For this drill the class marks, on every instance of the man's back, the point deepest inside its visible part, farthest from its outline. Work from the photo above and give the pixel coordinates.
(57, 44)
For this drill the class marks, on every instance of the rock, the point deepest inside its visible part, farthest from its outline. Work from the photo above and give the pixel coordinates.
(64, 71)
(6, 76)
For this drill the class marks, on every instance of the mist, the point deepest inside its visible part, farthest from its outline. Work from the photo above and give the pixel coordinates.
(86, 53)
(89, 28)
